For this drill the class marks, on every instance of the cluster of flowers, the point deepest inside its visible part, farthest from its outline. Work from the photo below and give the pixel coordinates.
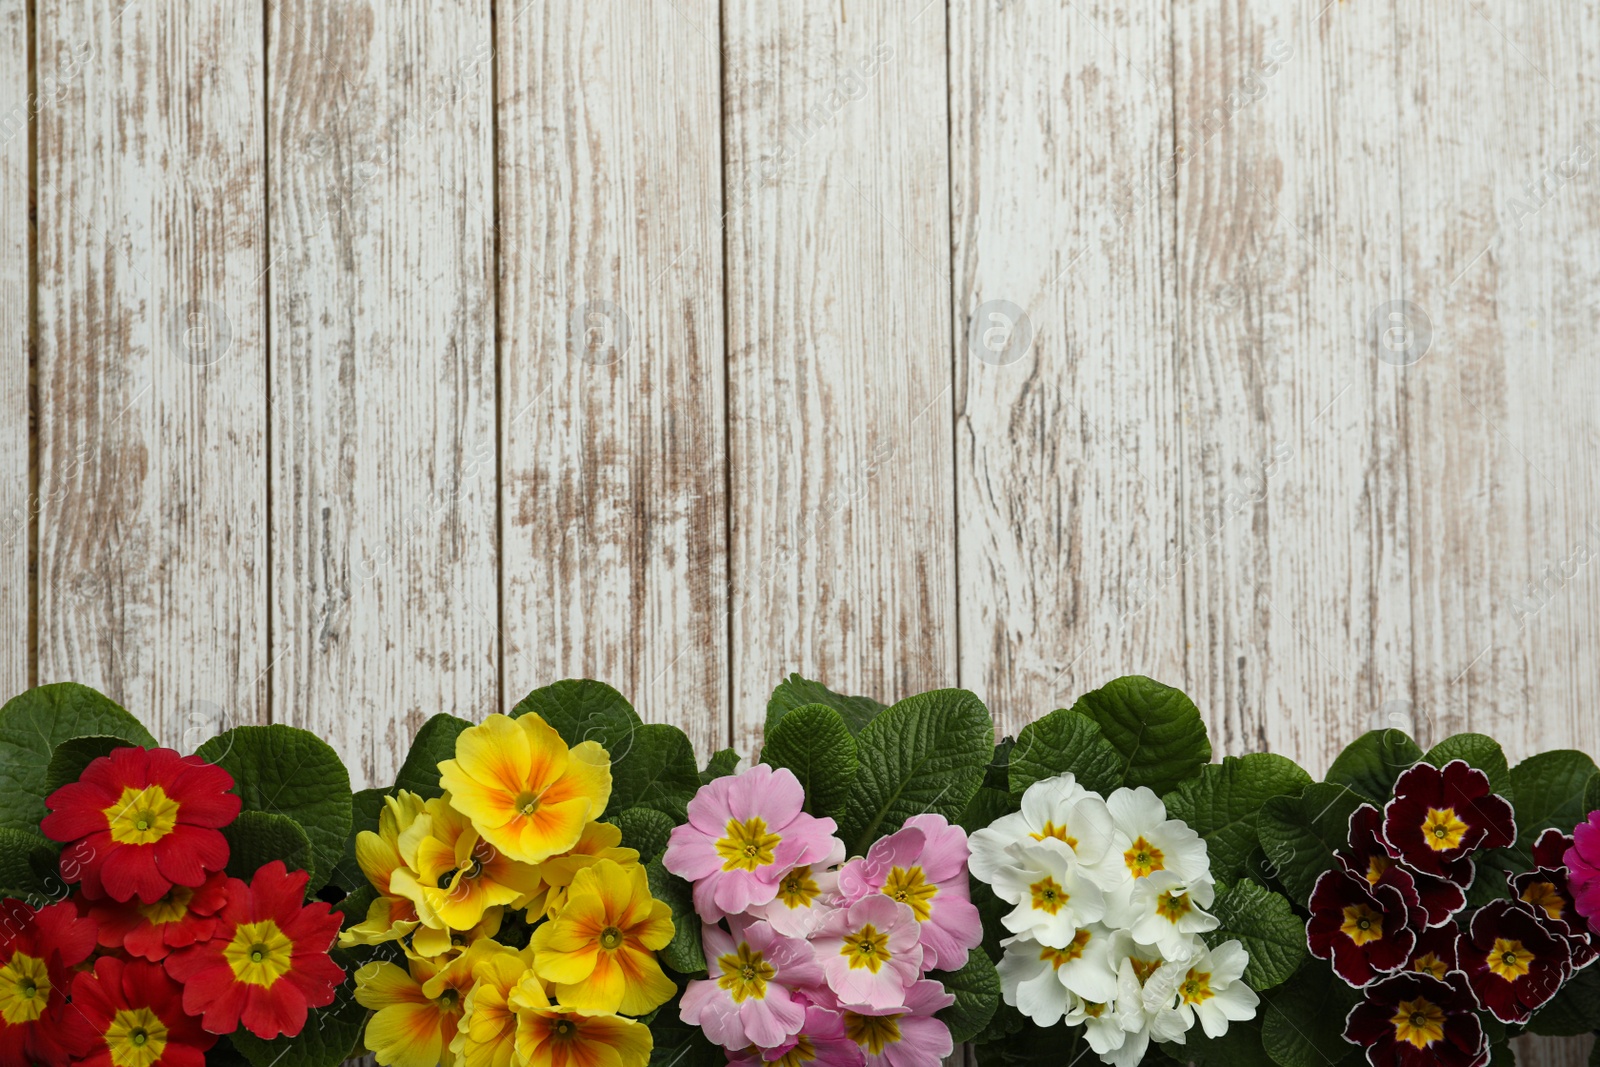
(811, 959)
(1109, 903)
(156, 952)
(1392, 919)
(529, 934)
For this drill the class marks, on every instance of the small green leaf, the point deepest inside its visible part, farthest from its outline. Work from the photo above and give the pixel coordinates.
(976, 987)
(33, 724)
(286, 771)
(1302, 1022)
(927, 753)
(796, 692)
(28, 865)
(581, 709)
(1299, 834)
(1266, 925)
(434, 743)
(1222, 802)
(1372, 762)
(1064, 740)
(1550, 790)
(654, 767)
(71, 757)
(330, 1035)
(1156, 730)
(986, 806)
(257, 838)
(683, 953)
(814, 742)
(1478, 751)
(645, 830)
(723, 763)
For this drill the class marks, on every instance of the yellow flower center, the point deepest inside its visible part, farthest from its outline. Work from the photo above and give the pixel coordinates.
(1173, 906)
(170, 908)
(259, 953)
(1058, 957)
(910, 887)
(24, 989)
(611, 939)
(798, 889)
(1093, 1010)
(1196, 987)
(1048, 897)
(1050, 829)
(803, 1052)
(1376, 866)
(747, 845)
(866, 948)
(526, 803)
(136, 1038)
(1362, 924)
(141, 816)
(1143, 858)
(1509, 959)
(1428, 963)
(1418, 1022)
(1442, 831)
(1545, 895)
(745, 974)
(1143, 969)
(872, 1032)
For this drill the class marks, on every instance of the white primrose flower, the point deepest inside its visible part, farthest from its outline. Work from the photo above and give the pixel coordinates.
(1212, 990)
(1053, 895)
(1154, 842)
(1057, 808)
(1147, 1001)
(1100, 1023)
(1040, 981)
(1165, 912)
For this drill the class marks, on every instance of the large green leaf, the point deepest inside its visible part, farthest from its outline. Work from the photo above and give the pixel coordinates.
(1156, 730)
(256, 838)
(581, 709)
(365, 807)
(815, 743)
(28, 865)
(683, 953)
(986, 806)
(1478, 751)
(1550, 789)
(927, 753)
(1372, 762)
(1574, 1010)
(1266, 925)
(434, 743)
(976, 987)
(675, 1043)
(286, 771)
(72, 756)
(1300, 834)
(796, 692)
(1302, 1021)
(33, 724)
(1222, 803)
(1591, 795)
(1064, 740)
(655, 768)
(645, 830)
(330, 1035)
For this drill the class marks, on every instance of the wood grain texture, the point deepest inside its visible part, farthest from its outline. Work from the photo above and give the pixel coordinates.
(612, 408)
(839, 349)
(383, 372)
(1500, 136)
(16, 199)
(1068, 452)
(152, 397)
(1296, 588)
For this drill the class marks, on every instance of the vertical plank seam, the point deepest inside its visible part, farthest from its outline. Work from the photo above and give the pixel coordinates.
(955, 343)
(495, 296)
(723, 112)
(266, 328)
(1180, 501)
(35, 422)
(1402, 403)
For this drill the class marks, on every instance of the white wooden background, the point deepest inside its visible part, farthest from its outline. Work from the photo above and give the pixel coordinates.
(367, 360)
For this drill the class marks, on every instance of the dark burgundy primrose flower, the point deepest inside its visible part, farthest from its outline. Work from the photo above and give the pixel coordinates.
(1416, 1020)
(1440, 816)
(1369, 855)
(1513, 960)
(1438, 951)
(1366, 929)
(1546, 890)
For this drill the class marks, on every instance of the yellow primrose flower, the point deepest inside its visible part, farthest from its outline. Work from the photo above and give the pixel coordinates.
(599, 841)
(391, 916)
(488, 1031)
(551, 1036)
(600, 951)
(417, 1011)
(452, 875)
(525, 791)
(441, 946)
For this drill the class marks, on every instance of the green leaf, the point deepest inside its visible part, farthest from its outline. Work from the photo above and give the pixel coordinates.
(354, 906)
(581, 709)
(1239, 1047)
(675, 1043)
(365, 807)
(1574, 1010)
(927, 753)
(1300, 834)
(1550, 790)
(330, 1036)
(1036, 1046)
(723, 763)
(286, 771)
(1064, 740)
(1372, 763)
(976, 987)
(1302, 1023)
(71, 757)
(683, 953)
(814, 742)
(797, 692)
(1478, 751)
(28, 865)
(1222, 803)
(1266, 925)
(434, 743)
(1156, 730)
(32, 724)
(256, 838)
(654, 768)
(986, 806)
(645, 830)
(1591, 796)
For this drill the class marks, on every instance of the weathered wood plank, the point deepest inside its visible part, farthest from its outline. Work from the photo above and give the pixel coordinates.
(1068, 449)
(839, 347)
(152, 397)
(384, 596)
(1296, 586)
(1499, 136)
(16, 488)
(612, 406)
